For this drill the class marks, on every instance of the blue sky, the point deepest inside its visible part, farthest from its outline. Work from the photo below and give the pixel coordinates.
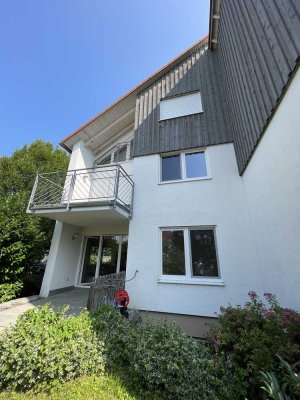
(63, 61)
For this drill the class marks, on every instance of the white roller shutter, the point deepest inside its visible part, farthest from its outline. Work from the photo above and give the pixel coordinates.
(182, 105)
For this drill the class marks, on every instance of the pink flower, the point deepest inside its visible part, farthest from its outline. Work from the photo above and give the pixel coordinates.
(268, 295)
(252, 294)
(269, 313)
(216, 344)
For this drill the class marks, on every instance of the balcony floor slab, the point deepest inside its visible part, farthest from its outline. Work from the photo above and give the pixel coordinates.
(85, 215)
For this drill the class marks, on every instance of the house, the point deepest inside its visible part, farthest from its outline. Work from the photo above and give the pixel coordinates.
(191, 181)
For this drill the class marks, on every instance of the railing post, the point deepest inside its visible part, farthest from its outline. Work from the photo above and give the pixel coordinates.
(33, 192)
(117, 183)
(71, 189)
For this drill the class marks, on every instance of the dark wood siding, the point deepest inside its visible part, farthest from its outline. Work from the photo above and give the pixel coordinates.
(196, 72)
(258, 49)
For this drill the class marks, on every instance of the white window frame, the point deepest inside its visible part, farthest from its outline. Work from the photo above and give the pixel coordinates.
(188, 278)
(85, 238)
(112, 153)
(182, 154)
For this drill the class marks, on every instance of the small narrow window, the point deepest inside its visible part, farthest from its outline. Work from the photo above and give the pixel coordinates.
(120, 154)
(180, 106)
(106, 160)
(173, 252)
(203, 253)
(195, 165)
(171, 168)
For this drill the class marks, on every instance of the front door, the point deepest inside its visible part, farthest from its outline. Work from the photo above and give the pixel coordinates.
(103, 255)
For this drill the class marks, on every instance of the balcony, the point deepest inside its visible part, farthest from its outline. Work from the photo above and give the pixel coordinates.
(105, 192)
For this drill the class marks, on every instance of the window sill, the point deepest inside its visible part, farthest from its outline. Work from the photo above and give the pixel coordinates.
(205, 178)
(193, 281)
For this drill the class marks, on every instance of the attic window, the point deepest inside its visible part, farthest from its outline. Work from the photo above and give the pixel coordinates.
(180, 106)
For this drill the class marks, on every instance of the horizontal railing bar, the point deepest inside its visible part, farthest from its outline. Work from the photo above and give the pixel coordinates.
(112, 167)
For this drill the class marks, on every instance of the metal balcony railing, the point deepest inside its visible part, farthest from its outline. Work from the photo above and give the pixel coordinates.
(84, 187)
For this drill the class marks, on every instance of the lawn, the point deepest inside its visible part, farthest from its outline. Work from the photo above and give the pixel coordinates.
(87, 388)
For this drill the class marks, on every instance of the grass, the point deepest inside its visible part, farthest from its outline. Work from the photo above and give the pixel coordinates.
(107, 387)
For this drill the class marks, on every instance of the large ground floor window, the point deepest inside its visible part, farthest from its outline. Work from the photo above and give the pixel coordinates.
(189, 253)
(103, 255)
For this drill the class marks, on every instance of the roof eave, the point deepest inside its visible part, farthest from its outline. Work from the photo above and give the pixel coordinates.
(135, 91)
(214, 19)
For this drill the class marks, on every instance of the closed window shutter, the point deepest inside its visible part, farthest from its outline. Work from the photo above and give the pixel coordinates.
(180, 106)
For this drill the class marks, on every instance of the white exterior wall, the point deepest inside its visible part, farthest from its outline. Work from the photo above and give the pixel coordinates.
(219, 201)
(81, 157)
(64, 255)
(272, 183)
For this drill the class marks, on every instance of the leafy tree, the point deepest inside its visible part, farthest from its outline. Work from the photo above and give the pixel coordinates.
(24, 239)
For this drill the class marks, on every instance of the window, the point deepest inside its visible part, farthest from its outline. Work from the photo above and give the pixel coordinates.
(120, 154)
(180, 106)
(106, 160)
(184, 166)
(171, 168)
(189, 253)
(195, 165)
(173, 252)
(203, 253)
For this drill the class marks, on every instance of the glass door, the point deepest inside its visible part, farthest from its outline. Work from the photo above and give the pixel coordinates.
(103, 255)
(90, 261)
(109, 254)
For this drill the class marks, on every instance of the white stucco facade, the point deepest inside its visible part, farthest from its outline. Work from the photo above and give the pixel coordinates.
(219, 201)
(256, 218)
(272, 184)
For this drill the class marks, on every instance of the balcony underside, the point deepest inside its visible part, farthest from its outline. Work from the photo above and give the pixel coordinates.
(86, 214)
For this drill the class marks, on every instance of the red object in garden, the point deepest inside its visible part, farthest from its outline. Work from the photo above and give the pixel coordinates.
(122, 298)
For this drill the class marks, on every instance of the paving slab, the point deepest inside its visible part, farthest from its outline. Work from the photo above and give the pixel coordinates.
(76, 300)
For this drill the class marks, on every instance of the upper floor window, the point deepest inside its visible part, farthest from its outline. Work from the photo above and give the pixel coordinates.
(184, 166)
(179, 106)
(119, 153)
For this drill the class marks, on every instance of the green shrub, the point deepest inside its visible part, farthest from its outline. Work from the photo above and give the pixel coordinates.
(45, 345)
(162, 360)
(9, 291)
(177, 367)
(116, 333)
(284, 387)
(250, 336)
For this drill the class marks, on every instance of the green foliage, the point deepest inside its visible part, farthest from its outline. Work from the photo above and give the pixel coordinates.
(45, 346)
(86, 388)
(117, 334)
(177, 367)
(24, 239)
(250, 336)
(17, 172)
(161, 359)
(289, 386)
(9, 291)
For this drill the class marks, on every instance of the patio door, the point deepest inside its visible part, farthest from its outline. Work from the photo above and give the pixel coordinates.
(103, 255)
(90, 260)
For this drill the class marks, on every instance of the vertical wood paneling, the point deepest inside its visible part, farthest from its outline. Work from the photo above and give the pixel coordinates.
(196, 72)
(258, 49)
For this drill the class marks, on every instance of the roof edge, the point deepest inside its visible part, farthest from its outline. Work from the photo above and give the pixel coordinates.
(214, 19)
(132, 91)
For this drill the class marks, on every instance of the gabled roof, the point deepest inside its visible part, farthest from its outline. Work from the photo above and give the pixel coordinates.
(120, 114)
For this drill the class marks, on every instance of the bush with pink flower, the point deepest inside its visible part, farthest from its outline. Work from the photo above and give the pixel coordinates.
(250, 337)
